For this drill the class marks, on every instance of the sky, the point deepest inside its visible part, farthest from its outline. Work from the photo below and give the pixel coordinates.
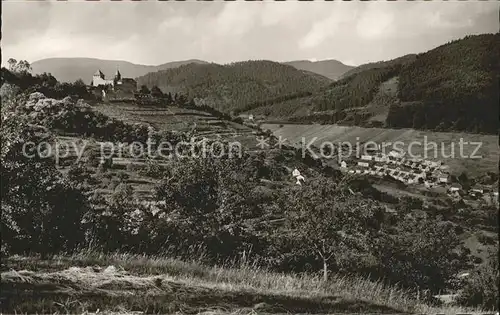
(154, 32)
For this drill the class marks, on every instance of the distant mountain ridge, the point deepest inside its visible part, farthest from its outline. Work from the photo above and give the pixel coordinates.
(332, 69)
(453, 87)
(237, 86)
(72, 69)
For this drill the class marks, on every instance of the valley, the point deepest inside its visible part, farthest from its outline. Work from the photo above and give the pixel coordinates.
(287, 187)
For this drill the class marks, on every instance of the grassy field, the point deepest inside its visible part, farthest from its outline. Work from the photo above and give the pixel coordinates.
(488, 150)
(92, 282)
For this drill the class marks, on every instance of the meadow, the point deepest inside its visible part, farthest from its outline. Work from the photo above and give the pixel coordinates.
(91, 282)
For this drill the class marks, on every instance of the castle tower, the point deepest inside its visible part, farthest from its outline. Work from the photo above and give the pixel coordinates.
(118, 76)
(99, 74)
(97, 78)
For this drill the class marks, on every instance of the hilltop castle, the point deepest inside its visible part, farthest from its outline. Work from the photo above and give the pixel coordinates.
(128, 84)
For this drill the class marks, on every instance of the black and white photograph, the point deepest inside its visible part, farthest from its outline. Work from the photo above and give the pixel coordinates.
(249, 157)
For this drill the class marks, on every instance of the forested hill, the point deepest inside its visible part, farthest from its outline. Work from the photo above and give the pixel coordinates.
(451, 87)
(456, 82)
(238, 85)
(331, 69)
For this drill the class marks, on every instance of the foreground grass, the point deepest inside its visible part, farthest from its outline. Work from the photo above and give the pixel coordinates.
(80, 283)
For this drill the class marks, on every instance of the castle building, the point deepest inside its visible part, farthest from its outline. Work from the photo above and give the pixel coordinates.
(99, 79)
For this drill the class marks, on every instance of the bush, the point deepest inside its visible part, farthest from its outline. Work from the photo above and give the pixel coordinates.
(481, 288)
(238, 120)
(41, 209)
(420, 254)
(153, 169)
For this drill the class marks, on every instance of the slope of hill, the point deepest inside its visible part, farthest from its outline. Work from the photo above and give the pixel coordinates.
(235, 86)
(72, 69)
(331, 69)
(379, 64)
(457, 82)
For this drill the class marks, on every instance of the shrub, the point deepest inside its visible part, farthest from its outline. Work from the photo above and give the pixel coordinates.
(419, 254)
(481, 288)
(41, 209)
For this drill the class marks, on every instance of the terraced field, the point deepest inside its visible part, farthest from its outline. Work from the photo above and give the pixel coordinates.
(173, 118)
(127, 169)
(488, 151)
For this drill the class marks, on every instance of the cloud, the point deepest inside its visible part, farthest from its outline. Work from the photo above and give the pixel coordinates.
(376, 22)
(234, 20)
(156, 32)
(327, 27)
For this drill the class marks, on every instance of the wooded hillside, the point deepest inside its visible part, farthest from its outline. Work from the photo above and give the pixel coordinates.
(237, 85)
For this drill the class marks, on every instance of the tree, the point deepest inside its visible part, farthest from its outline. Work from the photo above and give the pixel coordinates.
(181, 99)
(79, 83)
(421, 253)
(481, 287)
(21, 66)
(8, 92)
(325, 222)
(144, 90)
(156, 92)
(42, 210)
(169, 98)
(12, 64)
(463, 179)
(208, 203)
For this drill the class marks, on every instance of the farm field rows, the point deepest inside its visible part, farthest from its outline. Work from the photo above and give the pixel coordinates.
(488, 148)
(169, 118)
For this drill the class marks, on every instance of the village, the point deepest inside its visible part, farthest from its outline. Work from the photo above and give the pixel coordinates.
(430, 175)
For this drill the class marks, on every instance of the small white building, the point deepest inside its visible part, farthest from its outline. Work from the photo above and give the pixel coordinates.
(478, 190)
(455, 187)
(300, 180)
(363, 164)
(366, 157)
(434, 163)
(444, 178)
(250, 117)
(395, 154)
(343, 164)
